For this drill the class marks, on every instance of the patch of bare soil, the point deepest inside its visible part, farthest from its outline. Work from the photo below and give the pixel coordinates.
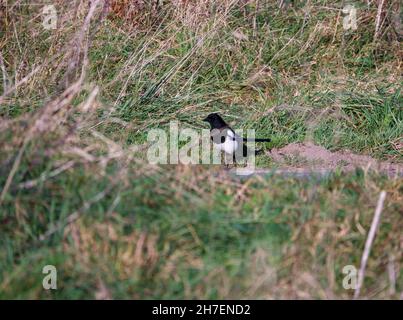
(298, 157)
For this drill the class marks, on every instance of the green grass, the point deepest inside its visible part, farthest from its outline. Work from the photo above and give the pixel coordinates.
(188, 248)
(168, 232)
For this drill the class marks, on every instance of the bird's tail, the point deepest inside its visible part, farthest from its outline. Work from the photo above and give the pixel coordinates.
(257, 140)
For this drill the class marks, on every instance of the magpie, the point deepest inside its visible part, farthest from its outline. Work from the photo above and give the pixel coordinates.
(225, 139)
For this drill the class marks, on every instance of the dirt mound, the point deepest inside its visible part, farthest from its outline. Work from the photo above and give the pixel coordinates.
(308, 156)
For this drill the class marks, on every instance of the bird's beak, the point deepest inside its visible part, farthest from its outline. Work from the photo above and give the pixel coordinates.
(205, 120)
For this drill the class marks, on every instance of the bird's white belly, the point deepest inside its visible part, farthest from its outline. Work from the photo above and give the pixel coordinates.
(229, 146)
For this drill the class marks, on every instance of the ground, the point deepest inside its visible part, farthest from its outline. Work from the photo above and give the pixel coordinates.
(77, 191)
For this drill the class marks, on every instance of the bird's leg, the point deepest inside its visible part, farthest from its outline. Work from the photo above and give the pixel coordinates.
(224, 160)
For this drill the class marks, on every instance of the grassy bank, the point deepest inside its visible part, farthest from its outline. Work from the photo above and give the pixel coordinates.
(77, 192)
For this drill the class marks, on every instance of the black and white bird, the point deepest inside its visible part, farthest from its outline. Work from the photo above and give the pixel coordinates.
(225, 139)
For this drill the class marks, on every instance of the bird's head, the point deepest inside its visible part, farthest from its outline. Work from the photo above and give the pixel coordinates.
(215, 120)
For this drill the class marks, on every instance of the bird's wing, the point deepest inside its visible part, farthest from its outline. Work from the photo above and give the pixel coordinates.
(231, 133)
